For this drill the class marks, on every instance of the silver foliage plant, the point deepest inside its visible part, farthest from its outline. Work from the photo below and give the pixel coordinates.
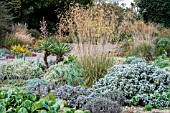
(140, 83)
(19, 69)
(102, 105)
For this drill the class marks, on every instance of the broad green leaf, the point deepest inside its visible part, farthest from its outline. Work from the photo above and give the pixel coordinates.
(43, 111)
(79, 111)
(61, 103)
(38, 105)
(23, 110)
(27, 104)
(2, 109)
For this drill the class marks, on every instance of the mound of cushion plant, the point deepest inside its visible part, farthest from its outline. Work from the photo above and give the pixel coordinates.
(11, 102)
(102, 105)
(141, 84)
(75, 96)
(62, 73)
(19, 69)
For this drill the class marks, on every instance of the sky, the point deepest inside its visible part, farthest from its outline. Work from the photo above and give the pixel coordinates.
(127, 2)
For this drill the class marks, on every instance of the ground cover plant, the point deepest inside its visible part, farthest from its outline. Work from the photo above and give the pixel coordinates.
(30, 103)
(19, 69)
(100, 57)
(141, 84)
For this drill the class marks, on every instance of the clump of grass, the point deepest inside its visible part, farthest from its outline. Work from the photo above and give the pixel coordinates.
(95, 67)
(20, 32)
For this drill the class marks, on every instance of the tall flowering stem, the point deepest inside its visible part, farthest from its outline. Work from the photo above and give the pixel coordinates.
(43, 28)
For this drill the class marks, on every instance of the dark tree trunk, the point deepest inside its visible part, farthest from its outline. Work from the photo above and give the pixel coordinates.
(46, 54)
(59, 59)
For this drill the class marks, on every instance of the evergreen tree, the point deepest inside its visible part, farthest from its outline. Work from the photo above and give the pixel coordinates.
(157, 11)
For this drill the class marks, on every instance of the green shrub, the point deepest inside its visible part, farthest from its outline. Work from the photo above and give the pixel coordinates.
(102, 105)
(29, 103)
(162, 44)
(134, 60)
(144, 49)
(140, 83)
(4, 51)
(19, 69)
(148, 107)
(64, 74)
(95, 67)
(162, 62)
(34, 33)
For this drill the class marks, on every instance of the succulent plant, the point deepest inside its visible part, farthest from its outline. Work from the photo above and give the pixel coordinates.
(62, 73)
(141, 84)
(102, 105)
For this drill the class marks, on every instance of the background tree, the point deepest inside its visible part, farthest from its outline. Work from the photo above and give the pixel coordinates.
(32, 11)
(5, 20)
(157, 11)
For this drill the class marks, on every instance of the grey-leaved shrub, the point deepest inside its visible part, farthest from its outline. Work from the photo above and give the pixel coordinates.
(141, 84)
(75, 96)
(134, 60)
(19, 69)
(115, 95)
(102, 105)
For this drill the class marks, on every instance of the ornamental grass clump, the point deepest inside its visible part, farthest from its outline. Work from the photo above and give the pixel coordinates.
(141, 84)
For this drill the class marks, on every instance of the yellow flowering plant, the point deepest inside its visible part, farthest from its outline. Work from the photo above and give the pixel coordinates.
(19, 49)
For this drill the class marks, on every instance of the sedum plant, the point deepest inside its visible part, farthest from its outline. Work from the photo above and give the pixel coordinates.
(19, 69)
(140, 83)
(64, 74)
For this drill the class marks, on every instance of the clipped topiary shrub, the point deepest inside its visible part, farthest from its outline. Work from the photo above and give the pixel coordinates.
(140, 83)
(134, 60)
(102, 105)
(62, 73)
(19, 69)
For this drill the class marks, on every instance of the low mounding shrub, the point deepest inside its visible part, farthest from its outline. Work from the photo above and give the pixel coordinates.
(34, 83)
(13, 102)
(134, 60)
(140, 83)
(19, 69)
(75, 96)
(162, 61)
(102, 105)
(115, 95)
(64, 74)
(162, 44)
